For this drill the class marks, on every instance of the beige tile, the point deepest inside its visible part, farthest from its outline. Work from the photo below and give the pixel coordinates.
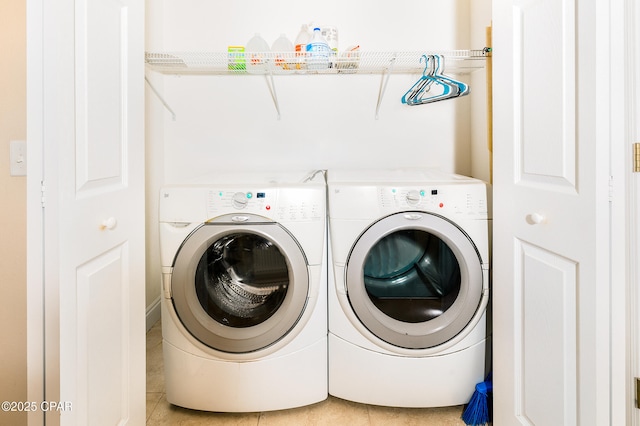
(166, 414)
(445, 416)
(154, 335)
(155, 366)
(152, 402)
(333, 411)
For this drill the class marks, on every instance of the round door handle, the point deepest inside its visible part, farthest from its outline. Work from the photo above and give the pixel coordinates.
(109, 224)
(535, 219)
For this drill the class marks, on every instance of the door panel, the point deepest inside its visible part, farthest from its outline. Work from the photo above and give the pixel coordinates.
(101, 101)
(545, 314)
(544, 69)
(551, 207)
(102, 293)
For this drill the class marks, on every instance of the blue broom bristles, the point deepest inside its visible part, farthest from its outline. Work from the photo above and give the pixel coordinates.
(477, 412)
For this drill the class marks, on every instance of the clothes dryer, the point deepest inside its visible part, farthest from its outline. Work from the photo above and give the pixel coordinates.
(408, 286)
(244, 313)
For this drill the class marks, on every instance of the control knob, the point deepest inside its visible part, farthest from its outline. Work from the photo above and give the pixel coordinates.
(413, 197)
(239, 200)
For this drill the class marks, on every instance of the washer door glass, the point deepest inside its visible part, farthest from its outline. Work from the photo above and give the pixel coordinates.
(414, 280)
(242, 279)
(239, 288)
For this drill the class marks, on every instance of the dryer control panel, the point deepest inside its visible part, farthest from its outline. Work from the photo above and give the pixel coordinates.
(453, 199)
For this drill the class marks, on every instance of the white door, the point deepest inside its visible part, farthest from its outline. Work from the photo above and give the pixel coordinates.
(87, 71)
(551, 242)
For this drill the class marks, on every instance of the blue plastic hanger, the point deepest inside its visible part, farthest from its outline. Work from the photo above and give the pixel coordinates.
(451, 88)
(463, 88)
(423, 84)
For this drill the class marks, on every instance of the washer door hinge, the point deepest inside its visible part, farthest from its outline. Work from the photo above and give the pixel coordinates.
(166, 281)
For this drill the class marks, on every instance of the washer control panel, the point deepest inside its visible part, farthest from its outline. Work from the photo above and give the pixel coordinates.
(291, 204)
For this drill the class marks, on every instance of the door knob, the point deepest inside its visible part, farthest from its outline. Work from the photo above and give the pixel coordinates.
(535, 219)
(108, 224)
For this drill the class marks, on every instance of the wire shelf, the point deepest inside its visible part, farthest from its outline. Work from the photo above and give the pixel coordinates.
(360, 62)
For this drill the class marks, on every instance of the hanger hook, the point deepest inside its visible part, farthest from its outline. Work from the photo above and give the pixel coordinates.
(436, 61)
(425, 58)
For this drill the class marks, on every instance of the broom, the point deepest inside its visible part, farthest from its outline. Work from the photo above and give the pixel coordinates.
(477, 411)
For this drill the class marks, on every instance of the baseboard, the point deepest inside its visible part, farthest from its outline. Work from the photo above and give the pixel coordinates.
(153, 313)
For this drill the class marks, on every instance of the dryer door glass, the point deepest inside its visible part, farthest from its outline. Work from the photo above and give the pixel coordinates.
(415, 280)
(412, 276)
(241, 280)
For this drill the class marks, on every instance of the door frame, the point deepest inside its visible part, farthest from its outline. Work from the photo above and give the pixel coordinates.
(36, 369)
(628, 368)
(625, 210)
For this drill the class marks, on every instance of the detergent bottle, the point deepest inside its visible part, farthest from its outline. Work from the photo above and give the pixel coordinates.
(283, 56)
(256, 52)
(300, 46)
(318, 51)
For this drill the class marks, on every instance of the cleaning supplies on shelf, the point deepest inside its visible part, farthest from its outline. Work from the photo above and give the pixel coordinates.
(257, 62)
(330, 34)
(318, 51)
(349, 60)
(236, 61)
(300, 47)
(282, 50)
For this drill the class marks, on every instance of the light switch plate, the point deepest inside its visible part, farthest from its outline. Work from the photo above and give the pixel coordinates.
(18, 158)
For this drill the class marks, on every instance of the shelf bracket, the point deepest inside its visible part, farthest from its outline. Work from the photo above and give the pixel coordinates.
(384, 79)
(166, 105)
(272, 89)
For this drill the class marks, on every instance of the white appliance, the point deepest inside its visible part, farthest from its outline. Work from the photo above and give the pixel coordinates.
(244, 313)
(408, 286)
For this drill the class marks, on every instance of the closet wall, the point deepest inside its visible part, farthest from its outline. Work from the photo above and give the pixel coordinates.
(326, 121)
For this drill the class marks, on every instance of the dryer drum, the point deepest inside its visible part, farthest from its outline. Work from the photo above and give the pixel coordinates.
(430, 290)
(242, 279)
(412, 276)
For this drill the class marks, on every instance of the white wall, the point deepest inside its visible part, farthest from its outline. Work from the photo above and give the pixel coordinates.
(327, 121)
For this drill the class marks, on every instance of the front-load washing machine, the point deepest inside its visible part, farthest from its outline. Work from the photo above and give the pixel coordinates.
(408, 286)
(244, 313)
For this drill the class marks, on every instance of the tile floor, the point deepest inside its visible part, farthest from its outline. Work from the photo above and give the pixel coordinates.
(333, 411)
